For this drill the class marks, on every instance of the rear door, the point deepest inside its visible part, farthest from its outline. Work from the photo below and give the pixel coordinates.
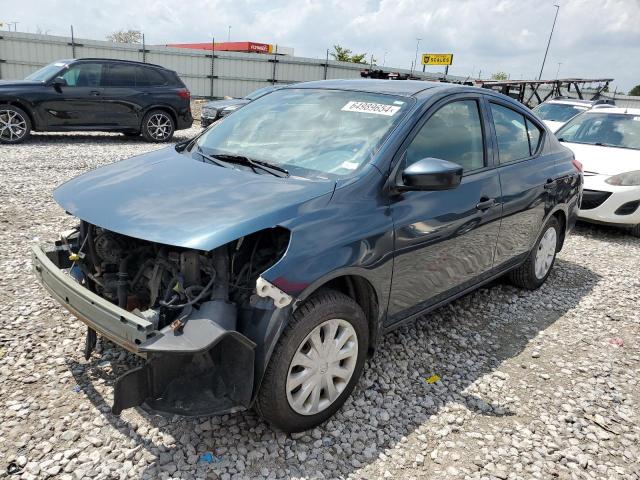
(80, 102)
(124, 100)
(527, 177)
(445, 240)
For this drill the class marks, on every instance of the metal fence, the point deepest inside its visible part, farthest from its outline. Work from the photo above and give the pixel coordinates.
(206, 75)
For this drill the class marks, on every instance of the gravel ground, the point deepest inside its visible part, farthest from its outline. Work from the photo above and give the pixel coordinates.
(537, 384)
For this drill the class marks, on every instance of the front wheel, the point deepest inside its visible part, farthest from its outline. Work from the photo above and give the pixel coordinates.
(158, 126)
(15, 125)
(536, 268)
(316, 364)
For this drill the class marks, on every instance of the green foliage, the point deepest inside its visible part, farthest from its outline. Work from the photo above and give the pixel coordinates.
(342, 54)
(125, 36)
(499, 76)
(635, 91)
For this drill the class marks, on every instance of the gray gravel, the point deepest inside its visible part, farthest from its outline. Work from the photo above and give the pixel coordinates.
(532, 384)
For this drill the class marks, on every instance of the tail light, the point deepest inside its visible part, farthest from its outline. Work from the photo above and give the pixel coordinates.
(184, 93)
(577, 165)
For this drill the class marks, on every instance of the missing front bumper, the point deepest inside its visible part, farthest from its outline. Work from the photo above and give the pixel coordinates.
(206, 369)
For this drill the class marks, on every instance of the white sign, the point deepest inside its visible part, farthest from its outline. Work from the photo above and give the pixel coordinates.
(376, 108)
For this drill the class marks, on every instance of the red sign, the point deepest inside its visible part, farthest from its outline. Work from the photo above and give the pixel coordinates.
(246, 47)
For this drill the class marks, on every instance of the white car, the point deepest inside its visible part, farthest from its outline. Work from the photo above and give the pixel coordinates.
(607, 143)
(555, 113)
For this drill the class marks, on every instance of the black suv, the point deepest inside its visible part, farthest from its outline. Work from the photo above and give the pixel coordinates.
(95, 94)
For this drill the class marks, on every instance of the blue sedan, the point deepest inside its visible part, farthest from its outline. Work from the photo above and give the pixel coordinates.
(258, 264)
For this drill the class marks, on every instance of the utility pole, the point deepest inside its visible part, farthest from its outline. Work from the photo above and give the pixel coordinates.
(415, 60)
(549, 42)
(229, 34)
(558, 71)
(73, 44)
(384, 58)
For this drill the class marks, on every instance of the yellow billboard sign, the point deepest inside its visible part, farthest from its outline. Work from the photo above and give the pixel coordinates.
(437, 58)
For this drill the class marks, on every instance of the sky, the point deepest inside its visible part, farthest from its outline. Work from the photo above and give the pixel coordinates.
(592, 38)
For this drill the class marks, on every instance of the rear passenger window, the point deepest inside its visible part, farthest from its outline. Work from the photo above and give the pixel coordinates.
(453, 133)
(121, 75)
(534, 136)
(512, 133)
(149, 77)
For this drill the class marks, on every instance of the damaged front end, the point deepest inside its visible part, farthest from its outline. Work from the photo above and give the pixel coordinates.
(189, 313)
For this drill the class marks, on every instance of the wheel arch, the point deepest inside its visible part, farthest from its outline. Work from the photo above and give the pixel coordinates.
(23, 106)
(164, 108)
(359, 288)
(561, 216)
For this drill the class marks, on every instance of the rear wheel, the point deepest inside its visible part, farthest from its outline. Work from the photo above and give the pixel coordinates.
(635, 230)
(15, 125)
(535, 270)
(158, 126)
(316, 364)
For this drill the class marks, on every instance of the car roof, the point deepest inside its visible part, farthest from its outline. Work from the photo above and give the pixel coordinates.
(405, 88)
(615, 111)
(114, 60)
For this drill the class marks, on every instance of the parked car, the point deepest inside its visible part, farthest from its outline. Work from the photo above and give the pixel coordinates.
(259, 263)
(559, 111)
(607, 143)
(217, 109)
(95, 94)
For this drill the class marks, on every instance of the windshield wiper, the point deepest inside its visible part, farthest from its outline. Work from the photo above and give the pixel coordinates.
(242, 160)
(209, 158)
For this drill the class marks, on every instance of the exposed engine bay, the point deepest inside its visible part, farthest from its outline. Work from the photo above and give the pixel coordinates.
(163, 283)
(193, 315)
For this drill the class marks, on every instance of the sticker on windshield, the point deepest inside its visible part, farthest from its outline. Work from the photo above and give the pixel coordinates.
(366, 107)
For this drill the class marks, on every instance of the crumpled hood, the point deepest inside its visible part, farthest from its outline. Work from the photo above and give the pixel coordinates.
(173, 199)
(605, 160)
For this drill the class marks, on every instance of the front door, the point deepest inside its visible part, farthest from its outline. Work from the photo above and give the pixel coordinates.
(445, 240)
(77, 104)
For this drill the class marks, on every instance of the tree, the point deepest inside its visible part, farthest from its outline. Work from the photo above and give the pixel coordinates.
(342, 54)
(125, 36)
(635, 91)
(499, 76)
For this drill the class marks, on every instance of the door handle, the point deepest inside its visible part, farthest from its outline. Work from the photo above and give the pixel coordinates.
(485, 203)
(94, 93)
(550, 183)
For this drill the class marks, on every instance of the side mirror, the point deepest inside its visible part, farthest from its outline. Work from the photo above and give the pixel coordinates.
(431, 174)
(59, 82)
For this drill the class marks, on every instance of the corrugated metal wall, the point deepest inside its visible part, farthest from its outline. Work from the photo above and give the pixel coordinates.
(234, 74)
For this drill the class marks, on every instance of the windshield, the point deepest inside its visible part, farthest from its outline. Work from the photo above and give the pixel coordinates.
(259, 93)
(609, 129)
(46, 73)
(311, 133)
(557, 112)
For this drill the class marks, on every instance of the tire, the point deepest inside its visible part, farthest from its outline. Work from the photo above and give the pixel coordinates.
(15, 124)
(526, 275)
(158, 126)
(635, 230)
(277, 399)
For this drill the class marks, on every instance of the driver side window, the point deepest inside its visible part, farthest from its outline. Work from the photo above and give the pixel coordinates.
(453, 133)
(83, 75)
